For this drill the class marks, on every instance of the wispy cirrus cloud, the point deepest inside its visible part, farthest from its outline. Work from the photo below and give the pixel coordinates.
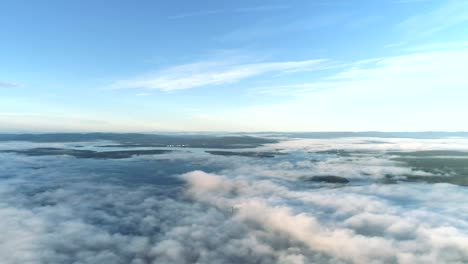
(440, 46)
(297, 89)
(262, 8)
(447, 15)
(410, 1)
(392, 92)
(210, 73)
(8, 84)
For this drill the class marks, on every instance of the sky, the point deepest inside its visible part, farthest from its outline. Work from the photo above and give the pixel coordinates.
(299, 65)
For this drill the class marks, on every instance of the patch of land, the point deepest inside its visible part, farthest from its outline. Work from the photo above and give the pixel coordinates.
(437, 165)
(245, 153)
(431, 153)
(86, 154)
(375, 134)
(145, 140)
(457, 180)
(445, 166)
(328, 179)
(338, 152)
(134, 146)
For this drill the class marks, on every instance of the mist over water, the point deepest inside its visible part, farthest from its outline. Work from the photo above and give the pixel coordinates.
(353, 199)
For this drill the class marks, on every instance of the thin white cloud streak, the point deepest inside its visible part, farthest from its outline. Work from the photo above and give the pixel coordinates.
(212, 73)
(8, 84)
(282, 28)
(439, 46)
(300, 89)
(263, 8)
(411, 1)
(447, 15)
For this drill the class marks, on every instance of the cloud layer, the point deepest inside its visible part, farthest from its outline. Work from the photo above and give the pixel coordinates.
(193, 207)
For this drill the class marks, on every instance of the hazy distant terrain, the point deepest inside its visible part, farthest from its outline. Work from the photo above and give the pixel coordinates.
(234, 198)
(143, 140)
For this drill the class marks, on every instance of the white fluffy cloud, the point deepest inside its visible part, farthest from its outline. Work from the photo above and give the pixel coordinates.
(230, 209)
(370, 224)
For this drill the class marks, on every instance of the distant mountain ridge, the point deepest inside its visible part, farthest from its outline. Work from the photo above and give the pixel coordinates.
(139, 139)
(426, 134)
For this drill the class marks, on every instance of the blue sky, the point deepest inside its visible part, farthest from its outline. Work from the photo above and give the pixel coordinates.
(394, 65)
